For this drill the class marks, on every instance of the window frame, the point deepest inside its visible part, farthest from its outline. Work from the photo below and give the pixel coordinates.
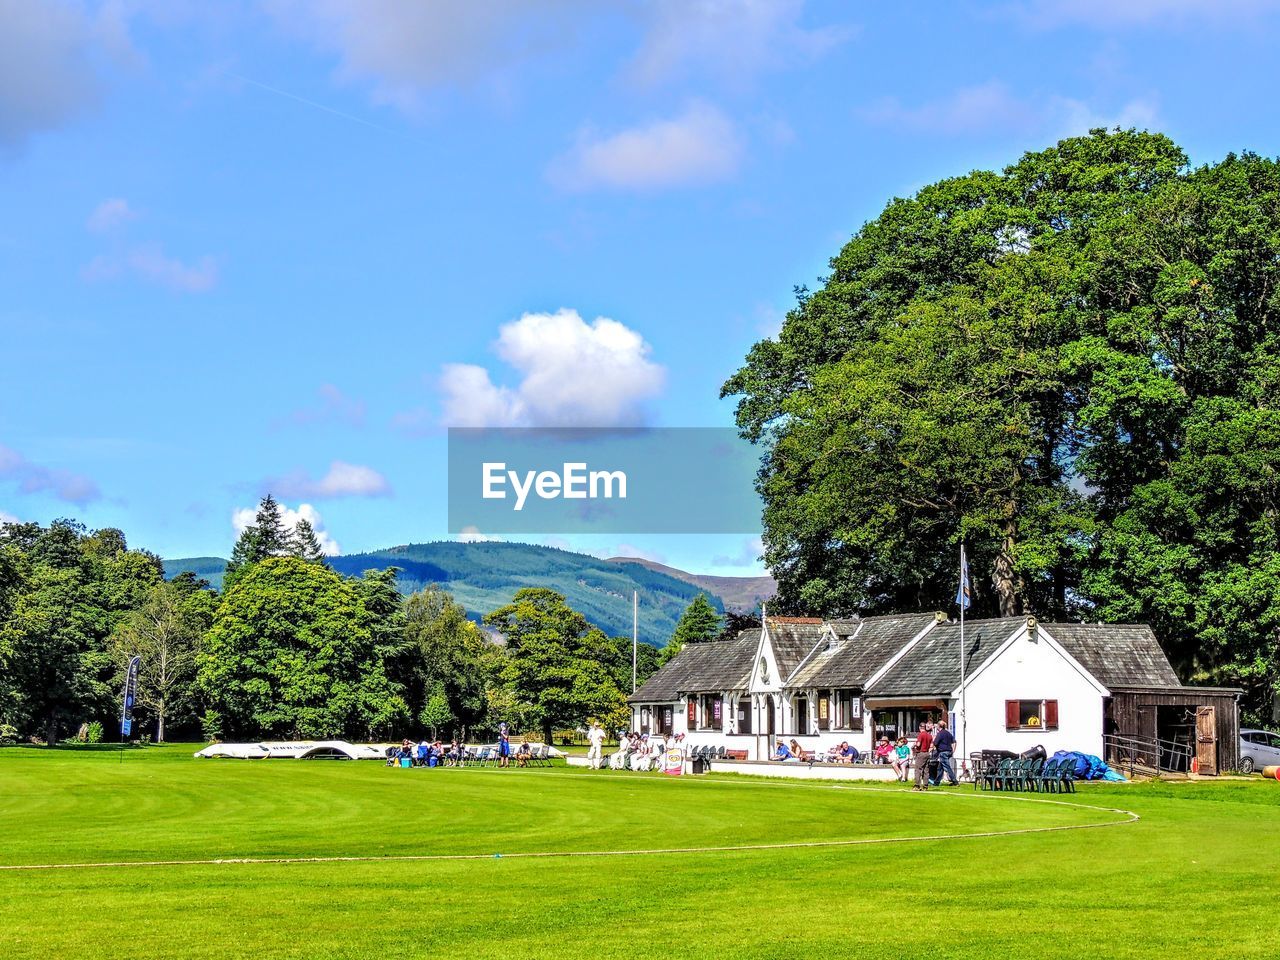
(1047, 713)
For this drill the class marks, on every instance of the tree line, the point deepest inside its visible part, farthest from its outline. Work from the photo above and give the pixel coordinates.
(1071, 366)
(288, 649)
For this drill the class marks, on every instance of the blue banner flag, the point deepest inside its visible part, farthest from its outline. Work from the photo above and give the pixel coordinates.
(963, 595)
(130, 691)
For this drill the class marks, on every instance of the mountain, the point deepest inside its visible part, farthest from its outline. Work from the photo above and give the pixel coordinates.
(210, 568)
(739, 594)
(484, 576)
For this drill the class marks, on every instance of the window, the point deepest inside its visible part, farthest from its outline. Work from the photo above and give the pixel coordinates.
(709, 712)
(1031, 714)
(848, 710)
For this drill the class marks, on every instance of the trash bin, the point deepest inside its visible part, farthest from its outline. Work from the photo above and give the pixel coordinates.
(700, 765)
(1035, 753)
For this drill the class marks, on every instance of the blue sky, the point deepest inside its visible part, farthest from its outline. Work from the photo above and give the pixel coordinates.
(280, 245)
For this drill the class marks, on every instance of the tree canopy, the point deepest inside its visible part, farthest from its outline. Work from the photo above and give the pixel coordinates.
(1071, 366)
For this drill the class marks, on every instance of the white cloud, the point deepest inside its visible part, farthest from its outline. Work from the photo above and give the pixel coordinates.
(699, 146)
(243, 517)
(151, 264)
(342, 480)
(732, 40)
(334, 407)
(472, 534)
(573, 374)
(47, 71)
(8, 518)
(110, 214)
(993, 108)
(34, 478)
(748, 556)
(406, 48)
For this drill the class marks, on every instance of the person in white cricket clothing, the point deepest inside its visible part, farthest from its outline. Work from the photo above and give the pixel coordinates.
(596, 754)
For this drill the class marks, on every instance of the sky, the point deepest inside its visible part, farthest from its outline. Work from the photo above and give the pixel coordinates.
(282, 245)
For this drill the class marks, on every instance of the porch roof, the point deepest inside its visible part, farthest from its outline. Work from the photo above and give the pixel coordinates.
(860, 649)
(932, 666)
(702, 668)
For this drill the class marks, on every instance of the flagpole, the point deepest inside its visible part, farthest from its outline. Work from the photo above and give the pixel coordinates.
(635, 634)
(964, 713)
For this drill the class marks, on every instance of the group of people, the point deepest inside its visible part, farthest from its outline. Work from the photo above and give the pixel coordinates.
(433, 753)
(932, 755)
(844, 753)
(636, 751)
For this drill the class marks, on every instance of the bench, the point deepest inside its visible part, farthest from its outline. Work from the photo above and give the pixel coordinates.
(735, 754)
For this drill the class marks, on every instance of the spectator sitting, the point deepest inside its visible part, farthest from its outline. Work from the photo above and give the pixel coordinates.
(797, 751)
(846, 753)
(522, 755)
(902, 759)
(782, 753)
(884, 751)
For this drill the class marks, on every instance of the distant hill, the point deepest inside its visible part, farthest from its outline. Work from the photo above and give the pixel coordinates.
(484, 576)
(211, 568)
(740, 594)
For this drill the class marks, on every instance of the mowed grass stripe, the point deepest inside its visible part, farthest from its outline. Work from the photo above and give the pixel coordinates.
(98, 810)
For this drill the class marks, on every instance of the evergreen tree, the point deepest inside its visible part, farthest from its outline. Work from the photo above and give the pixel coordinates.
(700, 623)
(305, 544)
(266, 537)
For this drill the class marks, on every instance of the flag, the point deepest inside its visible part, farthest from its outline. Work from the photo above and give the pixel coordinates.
(130, 691)
(963, 595)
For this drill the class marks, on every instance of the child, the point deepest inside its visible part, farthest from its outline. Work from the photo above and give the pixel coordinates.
(902, 760)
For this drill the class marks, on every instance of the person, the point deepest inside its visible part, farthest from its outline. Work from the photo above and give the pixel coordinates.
(640, 760)
(522, 755)
(884, 751)
(797, 751)
(901, 756)
(847, 753)
(618, 759)
(504, 745)
(782, 753)
(944, 741)
(596, 753)
(924, 744)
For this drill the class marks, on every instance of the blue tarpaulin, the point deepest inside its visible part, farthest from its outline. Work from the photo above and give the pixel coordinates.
(1087, 766)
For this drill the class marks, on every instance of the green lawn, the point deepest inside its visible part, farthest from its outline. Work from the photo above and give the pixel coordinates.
(1192, 877)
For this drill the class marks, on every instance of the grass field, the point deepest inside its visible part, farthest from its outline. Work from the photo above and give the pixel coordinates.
(1193, 876)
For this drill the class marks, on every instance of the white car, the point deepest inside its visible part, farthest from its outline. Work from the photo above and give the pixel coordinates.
(1258, 749)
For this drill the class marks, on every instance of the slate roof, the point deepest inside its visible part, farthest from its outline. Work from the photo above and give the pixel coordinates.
(702, 668)
(932, 666)
(863, 648)
(1117, 654)
(792, 639)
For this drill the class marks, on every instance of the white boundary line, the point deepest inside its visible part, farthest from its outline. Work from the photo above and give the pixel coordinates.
(1128, 815)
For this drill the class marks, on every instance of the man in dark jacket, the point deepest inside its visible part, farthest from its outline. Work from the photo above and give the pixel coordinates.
(944, 742)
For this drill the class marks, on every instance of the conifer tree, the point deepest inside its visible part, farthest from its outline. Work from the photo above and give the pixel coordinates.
(306, 545)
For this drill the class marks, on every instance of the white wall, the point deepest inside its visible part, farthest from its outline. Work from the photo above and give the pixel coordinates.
(1033, 670)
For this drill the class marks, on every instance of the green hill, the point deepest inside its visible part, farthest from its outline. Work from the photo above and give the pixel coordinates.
(484, 576)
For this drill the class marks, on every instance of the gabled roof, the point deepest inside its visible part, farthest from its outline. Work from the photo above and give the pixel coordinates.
(862, 647)
(702, 668)
(1117, 654)
(792, 639)
(932, 666)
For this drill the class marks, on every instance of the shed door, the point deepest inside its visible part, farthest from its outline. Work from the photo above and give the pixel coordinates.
(1207, 741)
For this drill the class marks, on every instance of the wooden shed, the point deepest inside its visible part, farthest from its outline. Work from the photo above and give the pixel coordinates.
(1167, 728)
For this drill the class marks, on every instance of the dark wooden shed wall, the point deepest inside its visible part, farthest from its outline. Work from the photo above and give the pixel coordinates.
(1134, 713)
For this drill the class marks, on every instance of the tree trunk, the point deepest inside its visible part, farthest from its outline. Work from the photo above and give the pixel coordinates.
(51, 730)
(546, 732)
(1007, 583)
(160, 724)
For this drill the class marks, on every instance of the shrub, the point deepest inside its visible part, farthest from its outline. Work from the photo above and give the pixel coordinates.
(93, 733)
